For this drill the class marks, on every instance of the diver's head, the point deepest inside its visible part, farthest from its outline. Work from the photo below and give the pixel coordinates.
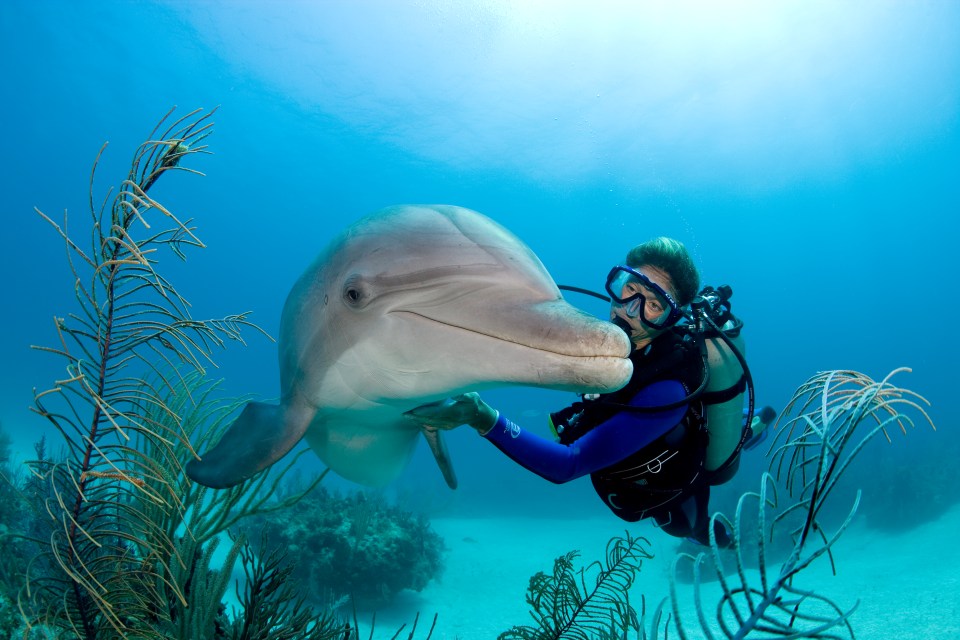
(648, 293)
(645, 293)
(671, 257)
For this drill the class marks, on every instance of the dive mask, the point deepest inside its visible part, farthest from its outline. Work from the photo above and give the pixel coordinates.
(640, 297)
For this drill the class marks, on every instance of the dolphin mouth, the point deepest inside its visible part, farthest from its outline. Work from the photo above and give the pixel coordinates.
(611, 341)
(555, 347)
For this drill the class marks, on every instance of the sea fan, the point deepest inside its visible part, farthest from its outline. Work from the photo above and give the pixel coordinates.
(113, 559)
(838, 413)
(189, 597)
(589, 604)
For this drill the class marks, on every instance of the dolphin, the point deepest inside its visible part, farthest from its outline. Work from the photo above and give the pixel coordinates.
(411, 305)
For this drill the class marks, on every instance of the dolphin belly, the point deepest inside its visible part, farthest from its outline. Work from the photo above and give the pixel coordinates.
(368, 450)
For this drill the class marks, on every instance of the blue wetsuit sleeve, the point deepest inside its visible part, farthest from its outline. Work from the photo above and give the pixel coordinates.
(608, 443)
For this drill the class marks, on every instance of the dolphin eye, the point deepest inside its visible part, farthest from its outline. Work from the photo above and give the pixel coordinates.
(355, 292)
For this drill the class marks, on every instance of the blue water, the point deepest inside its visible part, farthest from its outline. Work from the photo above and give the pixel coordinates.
(807, 153)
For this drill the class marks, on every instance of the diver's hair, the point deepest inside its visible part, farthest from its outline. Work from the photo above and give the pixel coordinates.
(671, 256)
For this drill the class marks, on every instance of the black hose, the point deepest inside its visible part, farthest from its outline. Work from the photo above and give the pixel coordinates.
(587, 292)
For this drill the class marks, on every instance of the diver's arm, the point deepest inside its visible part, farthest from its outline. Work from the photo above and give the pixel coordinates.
(622, 435)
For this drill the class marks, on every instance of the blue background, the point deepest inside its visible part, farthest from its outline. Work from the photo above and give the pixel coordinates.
(807, 153)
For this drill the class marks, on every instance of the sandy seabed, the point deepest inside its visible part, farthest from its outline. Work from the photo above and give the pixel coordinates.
(907, 584)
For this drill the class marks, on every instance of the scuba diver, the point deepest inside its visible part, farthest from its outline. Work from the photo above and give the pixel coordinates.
(655, 447)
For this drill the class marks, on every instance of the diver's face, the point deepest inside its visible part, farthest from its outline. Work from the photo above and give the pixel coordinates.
(654, 306)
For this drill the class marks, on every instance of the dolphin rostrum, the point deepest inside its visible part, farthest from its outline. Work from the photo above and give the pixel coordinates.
(411, 305)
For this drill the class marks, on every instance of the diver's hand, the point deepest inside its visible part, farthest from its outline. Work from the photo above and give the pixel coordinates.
(447, 414)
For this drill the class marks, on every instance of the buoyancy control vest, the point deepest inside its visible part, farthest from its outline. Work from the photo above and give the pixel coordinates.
(674, 458)
(702, 449)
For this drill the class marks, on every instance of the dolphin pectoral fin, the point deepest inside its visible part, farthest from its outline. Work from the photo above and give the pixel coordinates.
(439, 449)
(260, 436)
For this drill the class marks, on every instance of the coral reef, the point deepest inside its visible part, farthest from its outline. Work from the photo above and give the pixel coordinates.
(10, 520)
(17, 490)
(355, 546)
(916, 486)
(11, 504)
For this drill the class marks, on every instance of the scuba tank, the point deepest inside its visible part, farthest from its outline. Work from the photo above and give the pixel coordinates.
(727, 378)
(724, 417)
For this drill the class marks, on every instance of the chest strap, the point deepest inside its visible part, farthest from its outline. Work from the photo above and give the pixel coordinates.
(723, 395)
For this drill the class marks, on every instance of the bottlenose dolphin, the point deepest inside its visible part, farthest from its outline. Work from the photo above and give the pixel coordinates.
(411, 305)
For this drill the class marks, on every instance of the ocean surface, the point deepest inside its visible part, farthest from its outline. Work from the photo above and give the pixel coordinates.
(808, 154)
